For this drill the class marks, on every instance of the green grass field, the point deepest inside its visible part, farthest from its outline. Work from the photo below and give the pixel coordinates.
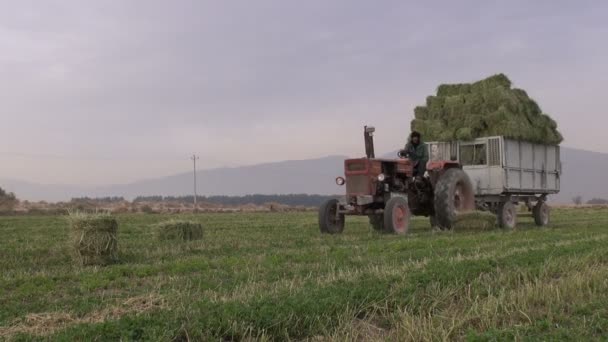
(274, 276)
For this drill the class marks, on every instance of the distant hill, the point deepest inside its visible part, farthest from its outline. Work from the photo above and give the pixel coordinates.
(583, 174)
(312, 176)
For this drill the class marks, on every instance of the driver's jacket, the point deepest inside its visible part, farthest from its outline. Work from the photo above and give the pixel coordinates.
(418, 153)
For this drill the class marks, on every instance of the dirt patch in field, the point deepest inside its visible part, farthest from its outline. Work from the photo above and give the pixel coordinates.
(46, 323)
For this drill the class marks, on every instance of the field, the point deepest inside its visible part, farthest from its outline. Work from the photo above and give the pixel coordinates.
(273, 276)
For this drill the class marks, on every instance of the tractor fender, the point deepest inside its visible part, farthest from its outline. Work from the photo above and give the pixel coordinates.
(440, 165)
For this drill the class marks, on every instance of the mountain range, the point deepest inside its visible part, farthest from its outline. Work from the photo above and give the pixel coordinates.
(583, 174)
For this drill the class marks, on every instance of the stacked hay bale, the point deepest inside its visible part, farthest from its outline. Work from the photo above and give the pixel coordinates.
(179, 230)
(485, 108)
(94, 237)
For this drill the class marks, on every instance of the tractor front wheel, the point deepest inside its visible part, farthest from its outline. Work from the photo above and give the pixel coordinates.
(541, 213)
(397, 216)
(453, 195)
(330, 222)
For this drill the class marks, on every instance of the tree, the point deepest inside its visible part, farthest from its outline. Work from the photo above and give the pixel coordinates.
(8, 200)
(597, 201)
(578, 200)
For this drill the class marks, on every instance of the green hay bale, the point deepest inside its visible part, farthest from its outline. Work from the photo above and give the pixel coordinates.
(435, 106)
(453, 89)
(464, 133)
(498, 80)
(430, 129)
(179, 230)
(94, 237)
(454, 106)
(475, 220)
(421, 112)
(485, 108)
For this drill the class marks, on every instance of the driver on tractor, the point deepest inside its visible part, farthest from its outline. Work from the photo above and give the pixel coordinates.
(417, 152)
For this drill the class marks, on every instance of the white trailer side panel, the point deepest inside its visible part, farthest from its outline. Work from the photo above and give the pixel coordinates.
(509, 166)
(531, 168)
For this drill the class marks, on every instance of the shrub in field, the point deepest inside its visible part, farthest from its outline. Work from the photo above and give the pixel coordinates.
(94, 237)
(179, 230)
(8, 200)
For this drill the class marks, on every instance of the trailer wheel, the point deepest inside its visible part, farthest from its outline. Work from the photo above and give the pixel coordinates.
(329, 221)
(541, 213)
(397, 216)
(377, 222)
(507, 215)
(453, 194)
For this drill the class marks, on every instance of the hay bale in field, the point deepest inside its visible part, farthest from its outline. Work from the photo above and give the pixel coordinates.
(179, 230)
(476, 220)
(484, 108)
(94, 237)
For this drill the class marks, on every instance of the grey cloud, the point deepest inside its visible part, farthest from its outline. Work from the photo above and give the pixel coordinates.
(139, 79)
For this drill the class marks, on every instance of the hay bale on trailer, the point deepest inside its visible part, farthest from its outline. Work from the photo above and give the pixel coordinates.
(179, 230)
(489, 107)
(94, 237)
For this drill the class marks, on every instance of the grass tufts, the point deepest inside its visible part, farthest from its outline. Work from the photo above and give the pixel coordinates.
(179, 230)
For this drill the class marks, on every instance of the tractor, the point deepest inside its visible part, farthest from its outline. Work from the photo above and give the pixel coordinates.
(387, 191)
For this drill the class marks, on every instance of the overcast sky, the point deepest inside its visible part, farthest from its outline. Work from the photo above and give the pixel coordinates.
(99, 92)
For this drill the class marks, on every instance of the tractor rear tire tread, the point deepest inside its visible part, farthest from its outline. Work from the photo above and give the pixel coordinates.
(377, 222)
(445, 211)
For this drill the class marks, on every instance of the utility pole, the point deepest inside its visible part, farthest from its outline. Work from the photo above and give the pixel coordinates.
(194, 158)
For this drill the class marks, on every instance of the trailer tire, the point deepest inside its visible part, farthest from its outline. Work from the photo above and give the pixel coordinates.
(377, 222)
(453, 194)
(397, 216)
(507, 215)
(541, 213)
(329, 222)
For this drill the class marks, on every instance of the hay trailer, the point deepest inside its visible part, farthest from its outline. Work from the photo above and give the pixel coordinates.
(505, 172)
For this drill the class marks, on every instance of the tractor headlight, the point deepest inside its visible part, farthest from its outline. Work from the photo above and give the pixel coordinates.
(340, 181)
(381, 177)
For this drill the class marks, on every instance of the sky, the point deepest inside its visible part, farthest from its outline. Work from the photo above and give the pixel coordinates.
(113, 91)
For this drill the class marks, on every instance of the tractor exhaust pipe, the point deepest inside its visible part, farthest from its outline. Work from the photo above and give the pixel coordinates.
(368, 134)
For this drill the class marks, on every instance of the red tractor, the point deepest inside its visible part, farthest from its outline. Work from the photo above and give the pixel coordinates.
(387, 192)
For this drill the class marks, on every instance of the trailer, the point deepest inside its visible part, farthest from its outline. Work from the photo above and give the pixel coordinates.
(505, 172)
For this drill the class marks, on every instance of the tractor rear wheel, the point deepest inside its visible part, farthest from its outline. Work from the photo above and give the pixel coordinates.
(330, 222)
(507, 215)
(434, 223)
(397, 216)
(541, 213)
(453, 195)
(377, 222)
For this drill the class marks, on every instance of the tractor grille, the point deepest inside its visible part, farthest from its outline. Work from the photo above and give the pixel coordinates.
(357, 185)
